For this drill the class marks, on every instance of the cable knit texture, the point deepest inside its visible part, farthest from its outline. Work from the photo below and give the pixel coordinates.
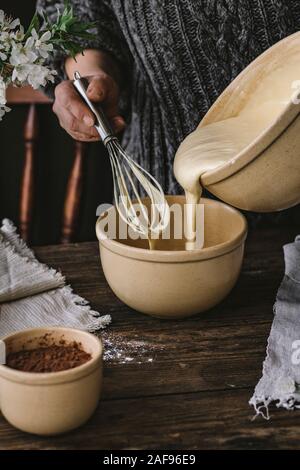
(179, 56)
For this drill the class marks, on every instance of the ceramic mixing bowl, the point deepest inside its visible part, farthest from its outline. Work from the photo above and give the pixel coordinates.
(264, 177)
(56, 402)
(170, 282)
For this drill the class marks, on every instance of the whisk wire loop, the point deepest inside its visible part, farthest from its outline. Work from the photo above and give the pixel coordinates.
(124, 172)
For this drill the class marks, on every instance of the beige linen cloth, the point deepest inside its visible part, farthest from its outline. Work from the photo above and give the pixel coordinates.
(34, 295)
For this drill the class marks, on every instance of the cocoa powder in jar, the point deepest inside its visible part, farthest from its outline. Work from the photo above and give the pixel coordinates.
(51, 358)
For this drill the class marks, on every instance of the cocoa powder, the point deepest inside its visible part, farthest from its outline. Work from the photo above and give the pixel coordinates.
(48, 358)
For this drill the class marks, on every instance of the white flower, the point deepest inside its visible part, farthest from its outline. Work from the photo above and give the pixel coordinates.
(22, 54)
(8, 23)
(20, 73)
(40, 43)
(5, 40)
(3, 110)
(35, 75)
(22, 59)
(39, 75)
(2, 92)
(12, 24)
(18, 35)
(2, 16)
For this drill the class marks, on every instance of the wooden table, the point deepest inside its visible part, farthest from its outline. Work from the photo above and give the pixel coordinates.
(178, 384)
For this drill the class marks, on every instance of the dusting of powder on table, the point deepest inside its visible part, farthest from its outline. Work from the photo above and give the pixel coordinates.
(121, 350)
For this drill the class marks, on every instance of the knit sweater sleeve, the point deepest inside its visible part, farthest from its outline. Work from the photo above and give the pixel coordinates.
(108, 35)
(294, 6)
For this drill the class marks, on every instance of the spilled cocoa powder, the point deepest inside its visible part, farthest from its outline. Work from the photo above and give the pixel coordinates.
(48, 358)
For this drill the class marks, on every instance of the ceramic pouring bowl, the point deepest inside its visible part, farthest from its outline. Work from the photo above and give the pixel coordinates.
(265, 176)
(170, 282)
(56, 402)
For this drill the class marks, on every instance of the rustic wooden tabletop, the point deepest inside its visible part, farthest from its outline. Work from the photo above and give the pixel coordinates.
(178, 384)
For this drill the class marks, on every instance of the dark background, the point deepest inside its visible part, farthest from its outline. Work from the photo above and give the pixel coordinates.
(53, 162)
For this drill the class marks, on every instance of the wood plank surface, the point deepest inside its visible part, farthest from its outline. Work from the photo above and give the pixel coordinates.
(178, 384)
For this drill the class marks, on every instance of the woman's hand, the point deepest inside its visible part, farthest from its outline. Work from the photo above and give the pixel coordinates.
(74, 115)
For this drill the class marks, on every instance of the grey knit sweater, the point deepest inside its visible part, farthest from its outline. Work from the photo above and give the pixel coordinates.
(177, 57)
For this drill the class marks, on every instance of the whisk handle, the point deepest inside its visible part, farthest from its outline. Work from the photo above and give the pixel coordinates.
(102, 125)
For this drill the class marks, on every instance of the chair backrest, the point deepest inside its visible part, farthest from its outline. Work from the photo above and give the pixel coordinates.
(34, 99)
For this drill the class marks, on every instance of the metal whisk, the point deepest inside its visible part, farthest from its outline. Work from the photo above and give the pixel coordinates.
(125, 171)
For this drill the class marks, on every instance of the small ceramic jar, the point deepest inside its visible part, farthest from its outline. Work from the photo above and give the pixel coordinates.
(56, 402)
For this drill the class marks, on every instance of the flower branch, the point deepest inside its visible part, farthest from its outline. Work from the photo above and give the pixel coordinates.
(23, 53)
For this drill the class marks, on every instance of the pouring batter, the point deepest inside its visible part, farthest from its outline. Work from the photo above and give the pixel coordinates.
(213, 145)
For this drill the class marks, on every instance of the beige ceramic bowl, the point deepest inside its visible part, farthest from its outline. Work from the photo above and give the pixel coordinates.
(51, 403)
(177, 283)
(265, 177)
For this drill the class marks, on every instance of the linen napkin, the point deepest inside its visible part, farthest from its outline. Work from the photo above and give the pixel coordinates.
(280, 382)
(34, 295)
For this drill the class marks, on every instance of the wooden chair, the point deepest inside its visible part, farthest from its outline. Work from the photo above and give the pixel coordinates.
(34, 99)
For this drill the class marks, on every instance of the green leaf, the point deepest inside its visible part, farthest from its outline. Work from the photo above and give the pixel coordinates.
(34, 24)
